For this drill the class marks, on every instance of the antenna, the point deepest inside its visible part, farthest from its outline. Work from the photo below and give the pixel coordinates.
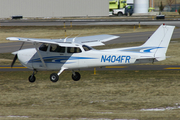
(65, 39)
(75, 38)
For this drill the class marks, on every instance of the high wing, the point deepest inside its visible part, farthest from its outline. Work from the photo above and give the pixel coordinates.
(96, 40)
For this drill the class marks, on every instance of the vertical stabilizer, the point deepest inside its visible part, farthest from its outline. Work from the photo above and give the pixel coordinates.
(159, 41)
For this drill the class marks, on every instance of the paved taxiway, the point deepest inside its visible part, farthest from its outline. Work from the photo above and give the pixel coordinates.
(125, 38)
(86, 22)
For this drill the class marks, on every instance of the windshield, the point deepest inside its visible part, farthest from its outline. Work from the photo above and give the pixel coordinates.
(123, 1)
(86, 48)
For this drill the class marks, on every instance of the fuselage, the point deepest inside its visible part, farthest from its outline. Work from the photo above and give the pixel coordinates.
(76, 57)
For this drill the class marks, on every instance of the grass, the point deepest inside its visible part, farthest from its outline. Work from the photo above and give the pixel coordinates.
(109, 94)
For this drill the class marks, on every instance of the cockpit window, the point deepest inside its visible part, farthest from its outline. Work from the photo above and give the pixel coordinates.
(73, 50)
(43, 47)
(57, 48)
(86, 48)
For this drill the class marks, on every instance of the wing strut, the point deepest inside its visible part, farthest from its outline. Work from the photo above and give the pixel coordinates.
(35, 45)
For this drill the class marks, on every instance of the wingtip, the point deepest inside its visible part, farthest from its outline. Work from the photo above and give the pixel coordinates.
(13, 38)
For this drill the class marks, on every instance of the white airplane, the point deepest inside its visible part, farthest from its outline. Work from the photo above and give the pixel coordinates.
(77, 53)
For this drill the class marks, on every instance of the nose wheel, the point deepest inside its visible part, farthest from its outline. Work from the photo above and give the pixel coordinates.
(32, 77)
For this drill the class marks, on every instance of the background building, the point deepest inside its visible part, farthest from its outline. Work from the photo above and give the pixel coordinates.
(53, 8)
(141, 6)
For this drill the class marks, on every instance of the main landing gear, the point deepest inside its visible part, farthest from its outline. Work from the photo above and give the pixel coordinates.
(76, 76)
(55, 77)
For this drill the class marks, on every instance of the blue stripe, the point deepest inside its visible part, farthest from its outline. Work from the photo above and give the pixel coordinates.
(58, 59)
(138, 49)
(149, 50)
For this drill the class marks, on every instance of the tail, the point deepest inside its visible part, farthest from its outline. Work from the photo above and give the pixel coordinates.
(159, 41)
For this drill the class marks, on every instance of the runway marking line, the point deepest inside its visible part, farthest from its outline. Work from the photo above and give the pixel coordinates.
(116, 66)
(12, 67)
(175, 68)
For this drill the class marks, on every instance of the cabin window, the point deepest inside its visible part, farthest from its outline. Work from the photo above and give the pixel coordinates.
(57, 48)
(86, 48)
(73, 50)
(43, 47)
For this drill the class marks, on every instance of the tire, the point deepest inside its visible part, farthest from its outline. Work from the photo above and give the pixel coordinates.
(54, 77)
(32, 78)
(120, 14)
(76, 77)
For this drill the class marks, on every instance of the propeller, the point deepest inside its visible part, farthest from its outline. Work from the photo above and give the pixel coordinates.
(15, 57)
(14, 60)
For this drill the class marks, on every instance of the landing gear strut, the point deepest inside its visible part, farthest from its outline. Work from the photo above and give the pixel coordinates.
(32, 78)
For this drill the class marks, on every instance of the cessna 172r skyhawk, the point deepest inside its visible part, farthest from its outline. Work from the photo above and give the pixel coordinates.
(77, 53)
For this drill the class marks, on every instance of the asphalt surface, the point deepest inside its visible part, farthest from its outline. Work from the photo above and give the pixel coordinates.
(86, 22)
(124, 38)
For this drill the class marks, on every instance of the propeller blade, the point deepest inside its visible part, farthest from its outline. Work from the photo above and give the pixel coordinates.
(14, 60)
